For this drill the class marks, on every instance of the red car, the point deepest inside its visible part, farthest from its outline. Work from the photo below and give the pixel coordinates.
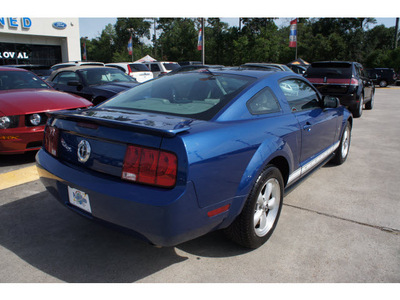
(24, 101)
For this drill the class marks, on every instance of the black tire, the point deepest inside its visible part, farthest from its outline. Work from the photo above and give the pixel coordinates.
(342, 152)
(359, 109)
(370, 105)
(383, 83)
(243, 230)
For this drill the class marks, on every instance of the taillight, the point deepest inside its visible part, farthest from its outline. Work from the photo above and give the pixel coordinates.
(129, 69)
(354, 81)
(150, 166)
(51, 140)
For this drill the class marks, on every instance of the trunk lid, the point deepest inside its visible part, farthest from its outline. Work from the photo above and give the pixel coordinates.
(108, 134)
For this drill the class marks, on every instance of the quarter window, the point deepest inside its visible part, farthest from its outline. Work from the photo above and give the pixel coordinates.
(299, 94)
(264, 102)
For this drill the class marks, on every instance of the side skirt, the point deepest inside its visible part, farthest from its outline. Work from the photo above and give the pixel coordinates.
(291, 187)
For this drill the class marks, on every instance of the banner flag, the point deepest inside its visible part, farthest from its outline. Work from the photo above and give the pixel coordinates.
(130, 46)
(199, 41)
(84, 50)
(293, 34)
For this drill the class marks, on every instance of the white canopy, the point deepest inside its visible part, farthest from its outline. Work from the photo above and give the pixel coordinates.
(147, 58)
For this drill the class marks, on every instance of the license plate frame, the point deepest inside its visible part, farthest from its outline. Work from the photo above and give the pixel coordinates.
(79, 199)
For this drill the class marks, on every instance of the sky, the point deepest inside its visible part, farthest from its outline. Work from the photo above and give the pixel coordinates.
(92, 27)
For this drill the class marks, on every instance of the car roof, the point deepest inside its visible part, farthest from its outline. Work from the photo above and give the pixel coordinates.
(76, 68)
(12, 69)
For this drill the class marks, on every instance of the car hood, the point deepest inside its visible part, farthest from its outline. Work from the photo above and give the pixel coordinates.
(114, 87)
(27, 101)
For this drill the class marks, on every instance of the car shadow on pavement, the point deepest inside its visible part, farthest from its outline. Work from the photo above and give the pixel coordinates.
(70, 248)
(17, 159)
(66, 246)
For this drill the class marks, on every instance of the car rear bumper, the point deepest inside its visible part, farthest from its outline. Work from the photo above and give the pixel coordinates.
(162, 217)
(21, 139)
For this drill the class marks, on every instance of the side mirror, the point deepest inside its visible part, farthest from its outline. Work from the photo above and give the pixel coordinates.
(330, 102)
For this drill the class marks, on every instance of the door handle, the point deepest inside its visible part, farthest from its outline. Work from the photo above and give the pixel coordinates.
(307, 127)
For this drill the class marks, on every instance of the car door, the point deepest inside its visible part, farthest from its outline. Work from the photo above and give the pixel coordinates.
(318, 126)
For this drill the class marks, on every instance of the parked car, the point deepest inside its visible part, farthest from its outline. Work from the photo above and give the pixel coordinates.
(25, 99)
(382, 76)
(93, 83)
(40, 70)
(186, 63)
(298, 69)
(75, 64)
(138, 71)
(161, 67)
(182, 155)
(267, 66)
(346, 80)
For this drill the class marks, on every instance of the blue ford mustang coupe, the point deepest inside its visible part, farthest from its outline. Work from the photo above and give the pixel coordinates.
(180, 156)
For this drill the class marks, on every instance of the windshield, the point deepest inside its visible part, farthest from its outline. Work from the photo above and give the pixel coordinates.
(97, 76)
(12, 80)
(198, 95)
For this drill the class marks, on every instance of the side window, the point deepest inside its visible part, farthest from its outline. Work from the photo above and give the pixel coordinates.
(65, 77)
(264, 102)
(154, 68)
(299, 94)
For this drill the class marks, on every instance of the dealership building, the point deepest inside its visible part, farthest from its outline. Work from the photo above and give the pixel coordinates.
(43, 41)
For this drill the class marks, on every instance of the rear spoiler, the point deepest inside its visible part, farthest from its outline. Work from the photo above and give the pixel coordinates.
(161, 125)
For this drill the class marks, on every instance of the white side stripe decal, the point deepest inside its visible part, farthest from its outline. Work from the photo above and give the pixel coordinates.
(312, 164)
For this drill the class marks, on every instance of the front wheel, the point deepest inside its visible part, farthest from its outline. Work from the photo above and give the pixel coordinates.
(383, 83)
(261, 212)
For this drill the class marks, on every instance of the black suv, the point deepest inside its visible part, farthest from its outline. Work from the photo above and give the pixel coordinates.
(348, 81)
(382, 76)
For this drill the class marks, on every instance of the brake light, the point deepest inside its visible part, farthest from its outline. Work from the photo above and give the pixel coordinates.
(354, 81)
(51, 135)
(129, 69)
(150, 166)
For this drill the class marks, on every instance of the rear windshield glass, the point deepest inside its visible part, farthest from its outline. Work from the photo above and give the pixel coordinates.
(171, 67)
(13, 80)
(198, 95)
(332, 70)
(139, 68)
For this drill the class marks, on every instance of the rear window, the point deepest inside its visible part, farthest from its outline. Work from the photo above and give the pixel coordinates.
(331, 70)
(171, 66)
(139, 68)
(199, 95)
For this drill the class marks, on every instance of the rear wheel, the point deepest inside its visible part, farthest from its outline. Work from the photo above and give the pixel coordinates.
(359, 109)
(261, 212)
(369, 105)
(383, 83)
(343, 150)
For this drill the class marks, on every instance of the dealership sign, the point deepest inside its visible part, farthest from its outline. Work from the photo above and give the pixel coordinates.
(25, 23)
(18, 55)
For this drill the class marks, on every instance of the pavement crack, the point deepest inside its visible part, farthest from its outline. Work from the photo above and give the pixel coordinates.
(382, 228)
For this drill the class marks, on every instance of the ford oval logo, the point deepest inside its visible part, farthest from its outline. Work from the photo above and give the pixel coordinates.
(59, 25)
(83, 151)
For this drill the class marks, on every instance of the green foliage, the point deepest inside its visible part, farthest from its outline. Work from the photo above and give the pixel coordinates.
(258, 40)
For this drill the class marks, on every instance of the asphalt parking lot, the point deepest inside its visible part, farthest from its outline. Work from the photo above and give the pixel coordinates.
(341, 225)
